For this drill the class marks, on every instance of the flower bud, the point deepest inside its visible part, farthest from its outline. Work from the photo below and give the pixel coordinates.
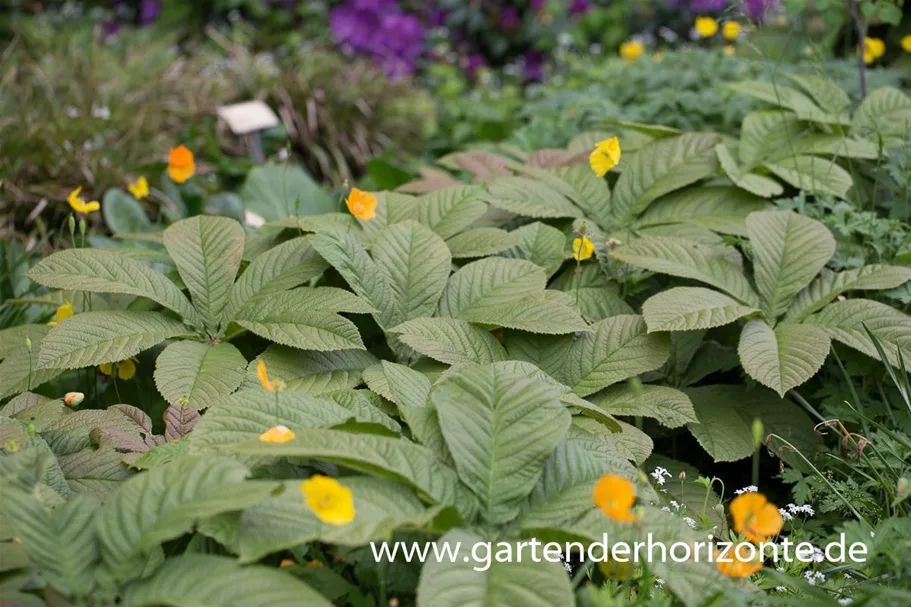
(74, 399)
(28, 343)
(71, 224)
(82, 227)
(682, 475)
(758, 433)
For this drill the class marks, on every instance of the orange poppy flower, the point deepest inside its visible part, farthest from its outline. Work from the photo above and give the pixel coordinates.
(735, 563)
(361, 204)
(180, 164)
(615, 496)
(755, 517)
(272, 385)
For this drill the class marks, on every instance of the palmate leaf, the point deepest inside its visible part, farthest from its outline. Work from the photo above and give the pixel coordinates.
(284, 521)
(464, 581)
(540, 244)
(830, 285)
(107, 271)
(245, 415)
(305, 318)
(379, 456)
(207, 252)
(691, 308)
(789, 251)
(671, 407)
(813, 174)
(529, 198)
(721, 267)
(719, 209)
(500, 428)
(759, 185)
(784, 357)
(285, 266)
(726, 414)
(450, 341)
(59, 542)
(205, 580)
(192, 374)
(93, 338)
(661, 167)
(618, 348)
(844, 321)
(165, 503)
(480, 242)
(310, 371)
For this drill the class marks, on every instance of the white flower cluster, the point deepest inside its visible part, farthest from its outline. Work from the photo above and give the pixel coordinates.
(748, 489)
(789, 511)
(813, 577)
(660, 475)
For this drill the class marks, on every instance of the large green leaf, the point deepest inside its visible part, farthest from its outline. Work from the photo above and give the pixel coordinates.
(415, 263)
(691, 308)
(618, 348)
(827, 94)
(365, 408)
(59, 542)
(306, 318)
(93, 338)
(207, 252)
(760, 185)
(205, 580)
(480, 242)
(784, 357)
(467, 582)
(284, 521)
(403, 386)
(813, 174)
(591, 193)
(165, 503)
(94, 472)
(124, 214)
(529, 198)
(19, 371)
(381, 456)
(830, 285)
(844, 321)
(792, 99)
(789, 250)
(669, 406)
(547, 352)
(721, 267)
(450, 210)
(540, 244)
(594, 293)
(275, 191)
(661, 167)
(311, 371)
(717, 208)
(884, 113)
(721, 430)
(450, 341)
(500, 428)
(766, 135)
(107, 271)
(245, 415)
(285, 266)
(488, 285)
(193, 374)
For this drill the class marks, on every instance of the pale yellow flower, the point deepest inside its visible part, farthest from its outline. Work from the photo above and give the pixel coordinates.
(706, 26)
(78, 203)
(277, 434)
(582, 248)
(330, 501)
(63, 312)
(126, 369)
(139, 188)
(605, 156)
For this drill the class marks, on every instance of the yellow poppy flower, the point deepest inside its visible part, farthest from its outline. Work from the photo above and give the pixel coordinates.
(631, 49)
(63, 312)
(729, 50)
(731, 30)
(706, 26)
(735, 566)
(605, 156)
(73, 399)
(755, 517)
(874, 48)
(361, 204)
(126, 369)
(615, 496)
(330, 501)
(582, 248)
(272, 385)
(78, 203)
(906, 43)
(180, 164)
(277, 434)
(139, 188)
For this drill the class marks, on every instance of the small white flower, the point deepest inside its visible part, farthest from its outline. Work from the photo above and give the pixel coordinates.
(567, 567)
(690, 521)
(872, 534)
(659, 581)
(785, 515)
(748, 489)
(665, 508)
(845, 600)
(71, 112)
(102, 111)
(781, 588)
(818, 556)
(675, 504)
(660, 475)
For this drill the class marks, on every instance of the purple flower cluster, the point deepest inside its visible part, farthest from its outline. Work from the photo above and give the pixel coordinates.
(379, 29)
